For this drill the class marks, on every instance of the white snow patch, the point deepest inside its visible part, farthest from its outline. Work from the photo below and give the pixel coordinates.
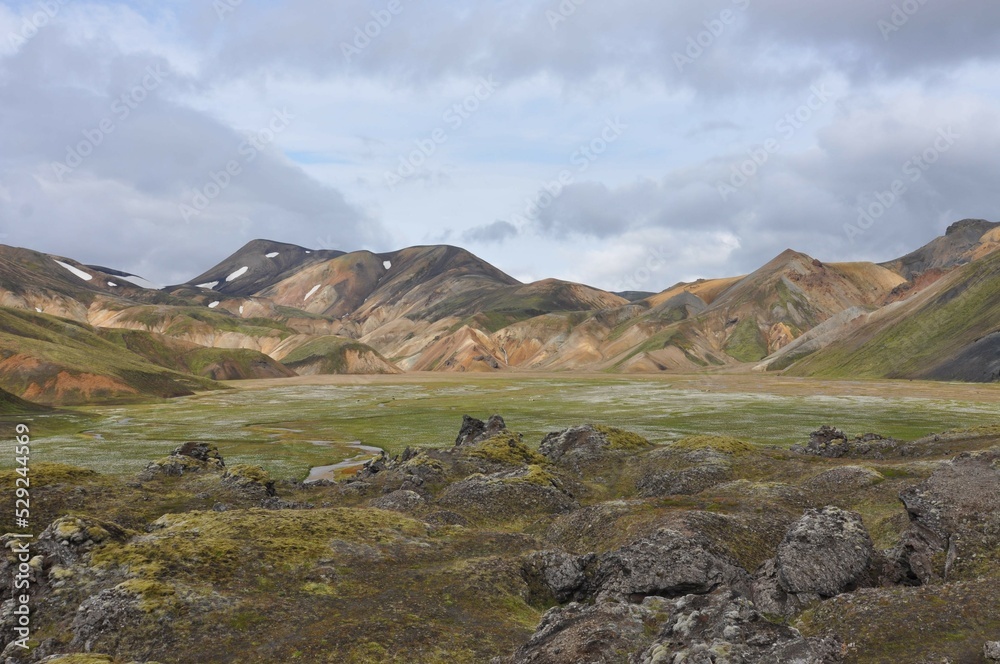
(273, 254)
(210, 285)
(76, 271)
(236, 275)
(214, 305)
(308, 252)
(38, 310)
(112, 284)
(387, 265)
(139, 281)
(241, 310)
(313, 291)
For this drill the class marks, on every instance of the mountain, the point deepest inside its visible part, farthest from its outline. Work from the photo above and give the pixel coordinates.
(275, 310)
(949, 331)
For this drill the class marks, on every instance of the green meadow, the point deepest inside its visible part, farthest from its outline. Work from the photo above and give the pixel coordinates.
(290, 426)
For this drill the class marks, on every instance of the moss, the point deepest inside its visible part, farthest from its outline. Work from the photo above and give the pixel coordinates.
(249, 472)
(44, 473)
(724, 444)
(747, 343)
(83, 659)
(505, 448)
(536, 475)
(214, 545)
(154, 596)
(619, 439)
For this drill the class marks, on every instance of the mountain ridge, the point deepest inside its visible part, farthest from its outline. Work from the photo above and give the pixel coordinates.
(442, 308)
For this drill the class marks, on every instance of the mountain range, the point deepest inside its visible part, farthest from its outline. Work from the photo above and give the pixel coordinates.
(72, 333)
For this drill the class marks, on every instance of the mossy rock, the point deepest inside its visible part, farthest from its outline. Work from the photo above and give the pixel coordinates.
(217, 546)
(723, 444)
(619, 439)
(505, 448)
(249, 473)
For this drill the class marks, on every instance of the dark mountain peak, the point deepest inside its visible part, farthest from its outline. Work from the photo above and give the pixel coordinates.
(972, 226)
(258, 264)
(956, 247)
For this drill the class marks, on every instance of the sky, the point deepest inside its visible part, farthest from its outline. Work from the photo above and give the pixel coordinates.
(628, 145)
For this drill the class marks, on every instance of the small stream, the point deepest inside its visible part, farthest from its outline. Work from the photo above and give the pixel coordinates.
(318, 473)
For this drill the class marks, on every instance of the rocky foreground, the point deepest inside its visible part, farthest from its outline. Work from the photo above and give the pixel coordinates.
(594, 547)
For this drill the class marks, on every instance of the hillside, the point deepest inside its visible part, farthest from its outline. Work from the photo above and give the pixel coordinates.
(950, 331)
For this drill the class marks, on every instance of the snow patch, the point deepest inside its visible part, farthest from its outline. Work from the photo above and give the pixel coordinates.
(313, 291)
(214, 305)
(112, 284)
(236, 275)
(210, 285)
(308, 252)
(273, 254)
(241, 310)
(139, 281)
(38, 310)
(76, 271)
(387, 265)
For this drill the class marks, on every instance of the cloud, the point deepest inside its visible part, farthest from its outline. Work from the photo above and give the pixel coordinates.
(497, 232)
(111, 164)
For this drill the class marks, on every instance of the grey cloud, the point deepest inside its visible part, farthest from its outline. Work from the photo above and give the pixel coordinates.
(497, 232)
(514, 40)
(121, 205)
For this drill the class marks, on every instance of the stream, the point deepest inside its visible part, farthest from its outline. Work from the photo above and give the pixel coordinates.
(318, 473)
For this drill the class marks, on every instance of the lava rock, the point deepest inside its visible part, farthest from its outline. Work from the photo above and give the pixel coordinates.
(398, 501)
(563, 575)
(666, 564)
(476, 431)
(724, 626)
(956, 511)
(825, 553)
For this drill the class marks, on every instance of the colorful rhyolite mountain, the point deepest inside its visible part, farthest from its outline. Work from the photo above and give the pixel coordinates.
(75, 333)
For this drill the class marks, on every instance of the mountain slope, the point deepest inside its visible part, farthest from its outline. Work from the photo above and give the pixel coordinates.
(947, 332)
(53, 361)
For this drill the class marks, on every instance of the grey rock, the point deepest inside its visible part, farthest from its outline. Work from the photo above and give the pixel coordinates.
(398, 501)
(102, 619)
(666, 564)
(507, 495)
(476, 431)
(991, 651)
(591, 634)
(825, 553)
(724, 626)
(562, 574)
(956, 511)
